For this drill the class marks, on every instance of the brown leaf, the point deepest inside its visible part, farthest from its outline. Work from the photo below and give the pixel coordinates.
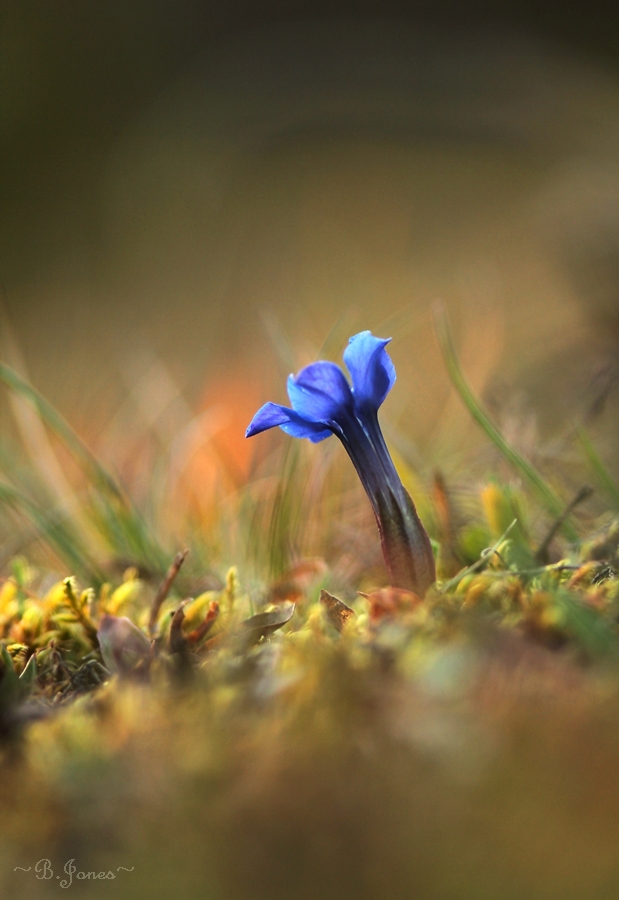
(336, 611)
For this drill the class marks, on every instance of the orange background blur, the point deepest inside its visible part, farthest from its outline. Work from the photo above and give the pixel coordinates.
(197, 199)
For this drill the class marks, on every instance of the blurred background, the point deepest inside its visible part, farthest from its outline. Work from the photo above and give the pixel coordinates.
(197, 198)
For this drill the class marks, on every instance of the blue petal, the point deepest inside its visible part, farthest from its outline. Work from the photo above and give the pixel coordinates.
(320, 392)
(272, 414)
(300, 428)
(371, 369)
(268, 416)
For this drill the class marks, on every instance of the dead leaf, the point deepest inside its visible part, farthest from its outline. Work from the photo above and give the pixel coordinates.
(336, 611)
(264, 624)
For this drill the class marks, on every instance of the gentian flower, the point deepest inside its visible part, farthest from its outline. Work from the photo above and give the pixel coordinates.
(324, 403)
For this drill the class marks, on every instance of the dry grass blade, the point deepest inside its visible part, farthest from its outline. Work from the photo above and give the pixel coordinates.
(164, 589)
(177, 642)
(542, 554)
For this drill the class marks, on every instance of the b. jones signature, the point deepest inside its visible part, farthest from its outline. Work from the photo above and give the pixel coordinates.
(43, 871)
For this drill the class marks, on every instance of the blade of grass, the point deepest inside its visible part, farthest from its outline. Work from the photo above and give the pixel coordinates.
(601, 473)
(32, 429)
(122, 525)
(285, 515)
(51, 527)
(595, 634)
(127, 534)
(542, 555)
(61, 428)
(164, 589)
(541, 489)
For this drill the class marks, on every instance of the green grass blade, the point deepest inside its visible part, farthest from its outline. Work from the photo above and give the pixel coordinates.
(285, 516)
(55, 532)
(603, 477)
(59, 425)
(118, 520)
(541, 489)
(583, 623)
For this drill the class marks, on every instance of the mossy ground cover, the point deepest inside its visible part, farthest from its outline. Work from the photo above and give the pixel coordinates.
(291, 726)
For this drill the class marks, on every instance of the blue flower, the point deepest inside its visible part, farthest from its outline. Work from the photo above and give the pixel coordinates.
(324, 403)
